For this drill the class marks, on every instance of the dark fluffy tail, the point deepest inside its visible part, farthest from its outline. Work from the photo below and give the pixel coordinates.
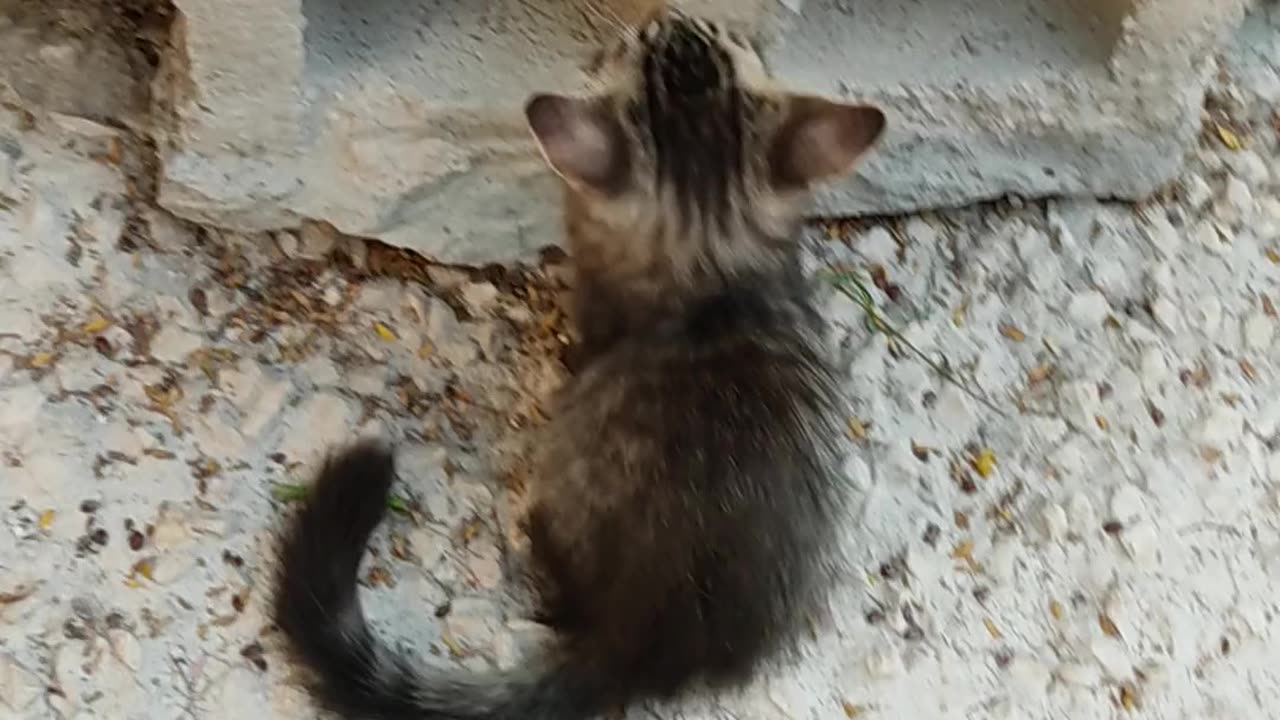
(318, 609)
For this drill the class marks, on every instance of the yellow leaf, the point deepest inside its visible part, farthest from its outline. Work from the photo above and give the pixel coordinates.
(1055, 609)
(1128, 698)
(40, 360)
(1108, 626)
(1229, 138)
(426, 351)
(851, 711)
(46, 519)
(1273, 255)
(992, 630)
(857, 430)
(1103, 425)
(963, 551)
(95, 325)
(1012, 333)
(984, 462)
(384, 332)
(1039, 374)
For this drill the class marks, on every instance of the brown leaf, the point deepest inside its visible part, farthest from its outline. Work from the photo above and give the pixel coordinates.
(1012, 333)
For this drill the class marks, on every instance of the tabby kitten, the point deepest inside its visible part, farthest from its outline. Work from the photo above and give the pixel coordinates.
(685, 504)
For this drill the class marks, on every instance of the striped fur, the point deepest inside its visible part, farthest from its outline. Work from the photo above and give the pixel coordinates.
(684, 504)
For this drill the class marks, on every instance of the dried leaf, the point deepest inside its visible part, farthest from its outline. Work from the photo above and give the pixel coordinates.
(1273, 255)
(1249, 370)
(1108, 626)
(18, 594)
(1268, 307)
(963, 550)
(957, 315)
(1103, 425)
(46, 519)
(1055, 609)
(1229, 139)
(1012, 333)
(857, 430)
(426, 351)
(384, 332)
(1128, 697)
(40, 360)
(851, 711)
(1039, 374)
(992, 630)
(95, 324)
(984, 462)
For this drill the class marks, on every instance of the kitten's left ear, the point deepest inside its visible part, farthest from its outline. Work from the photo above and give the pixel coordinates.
(580, 140)
(821, 140)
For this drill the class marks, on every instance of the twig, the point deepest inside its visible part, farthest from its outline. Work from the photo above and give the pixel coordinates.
(854, 289)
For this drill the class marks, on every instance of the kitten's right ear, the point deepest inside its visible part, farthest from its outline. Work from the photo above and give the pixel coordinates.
(821, 139)
(580, 140)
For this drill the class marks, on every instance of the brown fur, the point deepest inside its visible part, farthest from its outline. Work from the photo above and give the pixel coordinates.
(686, 499)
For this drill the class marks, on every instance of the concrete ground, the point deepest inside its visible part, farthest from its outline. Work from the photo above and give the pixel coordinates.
(1085, 524)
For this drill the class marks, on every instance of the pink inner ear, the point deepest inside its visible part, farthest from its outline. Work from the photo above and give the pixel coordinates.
(822, 139)
(575, 138)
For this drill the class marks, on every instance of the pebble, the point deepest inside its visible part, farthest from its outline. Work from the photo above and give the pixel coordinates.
(485, 565)
(1249, 167)
(125, 648)
(429, 546)
(884, 662)
(1166, 313)
(1079, 674)
(1080, 510)
(316, 240)
(1161, 233)
(877, 246)
(1088, 309)
(18, 688)
(1053, 521)
(1196, 192)
(1259, 330)
(287, 243)
(1032, 244)
(1127, 503)
(1112, 656)
(1207, 315)
(1080, 406)
(478, 297)
(1028, 677)
(172, 344)
(1140, 540)
(1238, 199)
(1207, 235)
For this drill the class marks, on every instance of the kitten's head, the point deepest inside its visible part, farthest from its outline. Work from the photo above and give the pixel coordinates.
(687, 165)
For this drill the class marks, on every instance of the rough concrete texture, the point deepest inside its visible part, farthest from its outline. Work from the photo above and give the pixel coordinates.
(401, 121)
(1089, 527)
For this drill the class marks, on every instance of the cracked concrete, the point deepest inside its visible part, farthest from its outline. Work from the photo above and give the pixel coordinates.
(1085, 525)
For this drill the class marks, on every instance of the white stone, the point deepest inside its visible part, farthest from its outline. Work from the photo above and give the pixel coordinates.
(1080, 406)
(1222, 427)
(1249, 166)
(1155, 368)
(1032, 244)
(1112, 656)
(1028, 677)
(125, 648)
(1079, 674)
(1088, 309)
(317, 240)
(1258, 331)
(172, 344)
(1166, 313)
(287, 242)
(1140, 540)
(1127, 503)
(1080, 510)
(1207, 314)
(884, 662)
(18, 688)
(877, 246)
(1238, 199)
(1196, 192)
(1207, 235)
(1161, 233)
(1053, 521)
(479, 297)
